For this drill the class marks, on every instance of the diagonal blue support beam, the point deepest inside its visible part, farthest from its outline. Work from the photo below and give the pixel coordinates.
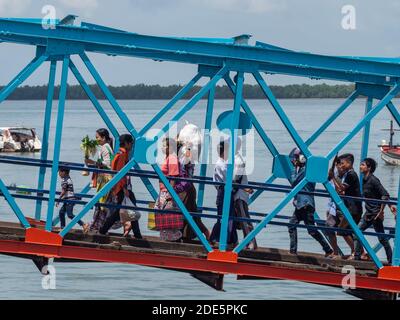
(14, 206)
(395, 113)
(378, 108)
(206, 145)
(282, 115)
(271, 216)
(121, 114)
(366, 136)
(185, 90)
(226, 213)
(267, 141)
(106, 189)
(46, 132)
(332, 118)
(86, 189)
(21, 77)
(339, 202)
(182, 208)
(94, 100)
(57, 143)
(189, 105)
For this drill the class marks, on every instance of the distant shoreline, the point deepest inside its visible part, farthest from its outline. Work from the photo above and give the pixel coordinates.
(156, 92)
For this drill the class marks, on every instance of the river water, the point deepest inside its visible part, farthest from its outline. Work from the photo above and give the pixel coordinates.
(19, 279)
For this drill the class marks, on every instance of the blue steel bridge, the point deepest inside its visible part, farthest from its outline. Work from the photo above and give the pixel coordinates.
(32, 236)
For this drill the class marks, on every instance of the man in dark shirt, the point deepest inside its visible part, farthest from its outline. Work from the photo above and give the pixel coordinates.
(348, 186)
(374, 215)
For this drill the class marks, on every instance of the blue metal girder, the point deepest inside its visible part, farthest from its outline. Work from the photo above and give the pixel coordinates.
(186, 89)
(271, 216)
(182, 208)
(378, 108)
(395, 113)
(57, 143)
(94, 100)
(366, 137)
(340, 204)
(332, 118)
(208, 53)
(192, 102)
(21, 77)
(14, 206)
(206, 144)
(227, 209)
(46, 133)
(282, 115)
(121, 114)
(267, 141)
(106, 189)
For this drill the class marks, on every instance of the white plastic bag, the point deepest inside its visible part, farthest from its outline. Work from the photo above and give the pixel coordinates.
(128, 215)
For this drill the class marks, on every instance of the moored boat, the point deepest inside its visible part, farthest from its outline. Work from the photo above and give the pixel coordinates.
(390, 152)
(19, 139)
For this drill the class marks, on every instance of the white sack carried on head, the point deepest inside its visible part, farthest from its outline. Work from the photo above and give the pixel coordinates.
(191, 139)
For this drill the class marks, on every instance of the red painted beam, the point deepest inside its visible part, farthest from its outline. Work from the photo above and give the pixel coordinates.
(196, 264)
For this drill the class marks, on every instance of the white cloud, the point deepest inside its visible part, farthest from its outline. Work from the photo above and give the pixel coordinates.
(13, 6)
(80, 4)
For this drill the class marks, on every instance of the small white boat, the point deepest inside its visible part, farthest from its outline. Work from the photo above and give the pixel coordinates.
(19, 139)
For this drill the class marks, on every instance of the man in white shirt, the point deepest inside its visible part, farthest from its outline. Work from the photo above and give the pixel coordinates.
(220, 172)
(242, 196)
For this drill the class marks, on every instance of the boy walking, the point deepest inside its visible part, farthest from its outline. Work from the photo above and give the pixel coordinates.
(348, 186)
(67, 193)
(374, 212)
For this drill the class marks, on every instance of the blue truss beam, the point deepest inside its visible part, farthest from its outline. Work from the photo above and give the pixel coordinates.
(179, 50)
(46, 133)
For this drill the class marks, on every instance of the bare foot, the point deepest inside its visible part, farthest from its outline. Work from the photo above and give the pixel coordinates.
(86, 228)
(127, 228)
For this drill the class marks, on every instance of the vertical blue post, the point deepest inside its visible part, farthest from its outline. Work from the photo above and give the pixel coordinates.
(366, 134)
(46, 132)
(396, 256)
(206, 145)
(231, 163)
(57, 143)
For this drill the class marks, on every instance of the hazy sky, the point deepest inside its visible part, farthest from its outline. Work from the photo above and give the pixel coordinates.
(307, 25)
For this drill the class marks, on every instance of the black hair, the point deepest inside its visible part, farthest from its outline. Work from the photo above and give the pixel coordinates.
(348, 157)
(104, 133)
(64, 169)
(371, 164)
(221, 148)
(171, 144)
(126, 139)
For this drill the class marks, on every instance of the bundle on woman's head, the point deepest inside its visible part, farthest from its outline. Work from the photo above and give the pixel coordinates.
(189, 144)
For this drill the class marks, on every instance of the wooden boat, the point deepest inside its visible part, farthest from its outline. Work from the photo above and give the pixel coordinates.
(390, 152)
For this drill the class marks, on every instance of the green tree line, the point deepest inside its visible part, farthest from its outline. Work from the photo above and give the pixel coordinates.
(157, 92)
